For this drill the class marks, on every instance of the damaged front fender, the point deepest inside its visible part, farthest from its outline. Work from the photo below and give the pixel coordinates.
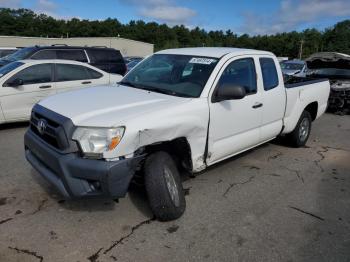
(188, 120)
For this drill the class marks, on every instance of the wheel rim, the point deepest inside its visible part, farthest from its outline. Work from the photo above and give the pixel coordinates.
(304, 129)
(172, 187)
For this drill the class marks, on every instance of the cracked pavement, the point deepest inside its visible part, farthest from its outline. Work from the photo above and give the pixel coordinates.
(273, 203)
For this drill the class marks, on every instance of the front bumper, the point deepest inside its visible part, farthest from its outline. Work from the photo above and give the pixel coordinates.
(75, 177)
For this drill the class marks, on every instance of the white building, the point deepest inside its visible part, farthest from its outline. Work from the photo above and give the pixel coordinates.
(126, 46)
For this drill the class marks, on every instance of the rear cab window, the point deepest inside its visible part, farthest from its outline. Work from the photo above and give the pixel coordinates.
(269, 73)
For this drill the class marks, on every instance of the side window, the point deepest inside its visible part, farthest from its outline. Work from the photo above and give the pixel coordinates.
(241, 72)
(35, 74)
(105, 56)
(269, 73)
(93, 73)
(67, 72)
(44, 54)
(71, 54)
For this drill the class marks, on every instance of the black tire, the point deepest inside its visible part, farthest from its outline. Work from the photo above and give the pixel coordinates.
(295, 138)
(158, 169)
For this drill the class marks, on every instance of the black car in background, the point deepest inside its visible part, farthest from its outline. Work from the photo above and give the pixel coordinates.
(4, 51)
(106, 59)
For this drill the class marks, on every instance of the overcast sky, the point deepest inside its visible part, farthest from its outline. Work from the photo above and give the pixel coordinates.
(249, 16)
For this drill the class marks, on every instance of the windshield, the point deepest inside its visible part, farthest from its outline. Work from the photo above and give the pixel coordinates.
(9, 67)
(178, 75)
(330, 73)
(292, 66)
(20, 54)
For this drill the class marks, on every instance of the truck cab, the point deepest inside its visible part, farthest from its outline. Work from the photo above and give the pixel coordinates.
(179, 109)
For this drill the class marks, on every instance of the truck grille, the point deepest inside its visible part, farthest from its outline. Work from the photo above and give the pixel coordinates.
(49, 131)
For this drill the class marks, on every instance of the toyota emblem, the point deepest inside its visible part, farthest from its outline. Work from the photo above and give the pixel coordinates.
(42, 124)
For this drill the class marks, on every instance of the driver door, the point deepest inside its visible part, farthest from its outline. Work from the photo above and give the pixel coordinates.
(36, 83)
(235, 124)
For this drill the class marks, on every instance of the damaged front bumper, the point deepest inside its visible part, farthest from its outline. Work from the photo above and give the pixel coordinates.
(75, 177)
(56, 157)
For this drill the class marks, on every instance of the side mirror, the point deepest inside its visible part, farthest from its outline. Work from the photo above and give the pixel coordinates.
(229, 92)
(15, 83)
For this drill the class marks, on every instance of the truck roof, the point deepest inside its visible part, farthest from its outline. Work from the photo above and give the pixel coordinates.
(216, 52)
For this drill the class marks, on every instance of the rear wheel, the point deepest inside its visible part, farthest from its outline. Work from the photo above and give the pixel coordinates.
(163, 186)
(301, 132)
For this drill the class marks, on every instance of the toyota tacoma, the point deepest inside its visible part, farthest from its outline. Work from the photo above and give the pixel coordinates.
(178, 110)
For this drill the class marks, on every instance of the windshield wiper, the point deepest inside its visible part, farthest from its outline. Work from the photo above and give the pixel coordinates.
(128, 83)
(165, 91)
(153, 89)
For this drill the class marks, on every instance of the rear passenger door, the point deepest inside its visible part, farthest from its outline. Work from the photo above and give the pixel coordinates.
(274, 98)
(71, 76)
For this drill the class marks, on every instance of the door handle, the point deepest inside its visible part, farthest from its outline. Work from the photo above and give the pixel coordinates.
(43, 87)
(86, 82)
(257, 105)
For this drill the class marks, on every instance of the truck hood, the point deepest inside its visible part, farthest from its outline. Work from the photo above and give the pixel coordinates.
(328, 60)
(107, 106)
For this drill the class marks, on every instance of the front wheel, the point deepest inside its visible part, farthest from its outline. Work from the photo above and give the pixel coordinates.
(163, 186)
(301, 132)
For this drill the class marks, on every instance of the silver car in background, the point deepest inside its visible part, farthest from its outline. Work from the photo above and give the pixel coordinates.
(294, 67)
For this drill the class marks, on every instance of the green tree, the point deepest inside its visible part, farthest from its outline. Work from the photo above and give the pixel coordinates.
(24, 22)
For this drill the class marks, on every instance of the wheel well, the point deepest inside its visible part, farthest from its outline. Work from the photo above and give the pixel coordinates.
(312, 109)
(178, 148)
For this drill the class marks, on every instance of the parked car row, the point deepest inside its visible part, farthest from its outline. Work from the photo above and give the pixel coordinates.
(106, 59)
(25, 82)
(30, 74)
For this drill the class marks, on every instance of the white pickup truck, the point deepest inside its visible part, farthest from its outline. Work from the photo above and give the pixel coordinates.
(179, 109)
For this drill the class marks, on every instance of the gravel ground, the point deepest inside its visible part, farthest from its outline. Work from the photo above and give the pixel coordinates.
(273, 203)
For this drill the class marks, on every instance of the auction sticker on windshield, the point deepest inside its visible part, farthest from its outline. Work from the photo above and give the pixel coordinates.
(203, 61)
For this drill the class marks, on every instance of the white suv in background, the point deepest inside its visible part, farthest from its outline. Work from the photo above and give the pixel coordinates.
(24, 83)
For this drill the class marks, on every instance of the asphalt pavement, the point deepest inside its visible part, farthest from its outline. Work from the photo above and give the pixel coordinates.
(273, 203)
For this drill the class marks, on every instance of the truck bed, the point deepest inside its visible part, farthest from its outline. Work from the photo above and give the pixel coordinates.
(300, 81)
(302, 92)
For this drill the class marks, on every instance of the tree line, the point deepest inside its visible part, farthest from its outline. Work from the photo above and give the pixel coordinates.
(24, 22)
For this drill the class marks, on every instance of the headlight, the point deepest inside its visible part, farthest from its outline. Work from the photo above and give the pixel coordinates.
(95, 141)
